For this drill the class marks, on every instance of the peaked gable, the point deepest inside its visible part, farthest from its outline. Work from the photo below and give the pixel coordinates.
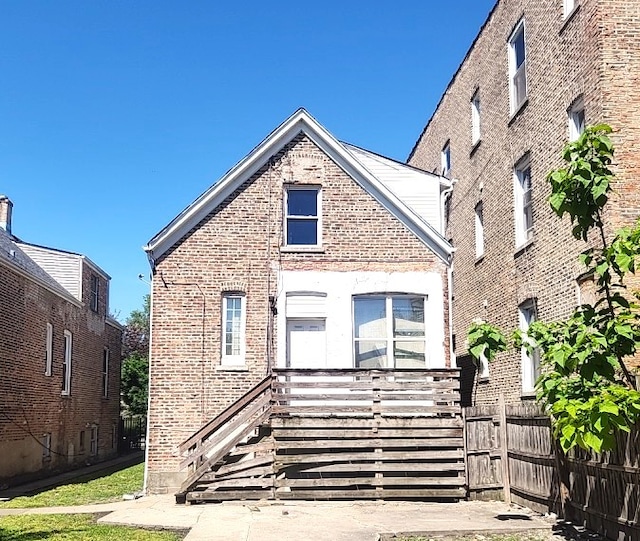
(300, 122)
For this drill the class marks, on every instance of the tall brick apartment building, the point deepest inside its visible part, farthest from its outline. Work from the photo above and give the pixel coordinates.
(309, 253)
(59, 358)
(535, 74)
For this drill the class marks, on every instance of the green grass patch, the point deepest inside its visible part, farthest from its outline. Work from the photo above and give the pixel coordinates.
(74, 527)
(81, 491)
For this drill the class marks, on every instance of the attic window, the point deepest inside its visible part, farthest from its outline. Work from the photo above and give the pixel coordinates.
(302, 223)
(95, 292)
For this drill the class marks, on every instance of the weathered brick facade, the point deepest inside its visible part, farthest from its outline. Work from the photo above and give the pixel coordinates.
(592, 54)
(238, 246)
(31, 402)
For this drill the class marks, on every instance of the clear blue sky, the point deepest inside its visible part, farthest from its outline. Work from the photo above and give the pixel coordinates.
(116, 114)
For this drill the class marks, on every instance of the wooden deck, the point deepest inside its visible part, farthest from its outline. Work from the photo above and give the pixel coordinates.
(333, 434)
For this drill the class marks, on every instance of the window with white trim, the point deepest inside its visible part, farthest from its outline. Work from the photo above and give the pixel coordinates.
(523, 202)
(530, 360)
(93, 441)
(94, 293)
(66, 363)
(48, 355)
(479, 228)
(389, 331)
(303, 216)
(568, 7)
(475, 118)
(233, 328)
(517, 67)
(105, 373)
(445, 160)
(576, 119)
(46, 446)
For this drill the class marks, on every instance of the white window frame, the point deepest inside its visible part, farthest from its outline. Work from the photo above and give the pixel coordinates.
(317, 218)
(479, 229)
(523, 202)
(105, 372)
(475, 118)
(530, 361)
(67, 363)
(389, 337)
(567, 7)
(46, 445)
(239, 358)
(445, 159)
(517, 74)
(94, 298)
(93, 440)
(577, 120)
(48, 357)
(483, 369)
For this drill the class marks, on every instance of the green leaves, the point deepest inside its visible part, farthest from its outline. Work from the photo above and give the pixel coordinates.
(485, 340)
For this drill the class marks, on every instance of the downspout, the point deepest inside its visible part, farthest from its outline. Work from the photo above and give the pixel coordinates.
(444, 195)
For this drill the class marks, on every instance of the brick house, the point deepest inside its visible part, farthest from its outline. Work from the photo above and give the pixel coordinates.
(535, 74)
(297, 258)
(60, 358)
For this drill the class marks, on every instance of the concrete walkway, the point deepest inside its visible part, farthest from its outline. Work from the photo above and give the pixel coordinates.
(309, 521)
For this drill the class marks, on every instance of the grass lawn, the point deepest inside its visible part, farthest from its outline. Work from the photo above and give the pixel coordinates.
(74, 527)
(81, 491)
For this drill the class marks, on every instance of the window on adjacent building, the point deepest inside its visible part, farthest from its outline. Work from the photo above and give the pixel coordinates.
(46, 445)
(445, 160)
(93, 441)
(48, 355)
(517, 68)
(530, 359)
(66, 363)
(523, 202)
(389, 331)
(475, 118)
(95, 293)
(569, 6)
(105, 372)
(302, 216)
(81, 446)
(233, 328)
(576, 119)
(479, 230)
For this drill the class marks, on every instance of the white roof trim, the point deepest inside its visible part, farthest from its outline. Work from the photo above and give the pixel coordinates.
(300, 121)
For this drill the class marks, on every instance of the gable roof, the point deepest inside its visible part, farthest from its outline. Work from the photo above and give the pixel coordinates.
(357, 165)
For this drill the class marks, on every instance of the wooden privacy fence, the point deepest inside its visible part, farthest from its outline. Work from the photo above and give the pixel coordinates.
(333, 434)
(511, 454)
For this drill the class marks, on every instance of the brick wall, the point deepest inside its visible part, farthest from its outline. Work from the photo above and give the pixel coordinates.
(31, 402)
(593, 54)
(238, 247)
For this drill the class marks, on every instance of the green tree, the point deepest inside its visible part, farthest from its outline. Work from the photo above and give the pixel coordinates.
(135, 363)
(585, 385)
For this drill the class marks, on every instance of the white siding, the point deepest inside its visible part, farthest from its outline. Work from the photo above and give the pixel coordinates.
(64, 268)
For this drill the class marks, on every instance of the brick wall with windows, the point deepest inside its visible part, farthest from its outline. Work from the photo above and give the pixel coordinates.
(587, 57)
(239, 249)
(34, 410)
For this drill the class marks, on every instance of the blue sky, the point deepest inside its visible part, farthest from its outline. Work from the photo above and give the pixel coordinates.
(115, 115)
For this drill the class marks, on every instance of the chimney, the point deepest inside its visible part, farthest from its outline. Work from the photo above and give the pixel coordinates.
(6, 208)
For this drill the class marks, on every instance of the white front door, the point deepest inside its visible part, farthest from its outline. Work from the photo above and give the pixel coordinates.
(306, 343)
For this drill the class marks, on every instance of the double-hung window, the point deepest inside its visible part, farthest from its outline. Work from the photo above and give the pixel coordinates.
(48, 355)
(523, 202)
(233, 328)
(46, 446)
(479, 228)
(530, 359)
(445, 160)
(517, 67)
(95, 293)
(105, 373)
(93, 440)
(475, 118)
(389, 331)
(576, 119)
(302, 224)
(66, 363)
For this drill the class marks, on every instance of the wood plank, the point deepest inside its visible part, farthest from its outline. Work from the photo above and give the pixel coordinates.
(368, 443)
(245, 464)
(244, 483)
(357, 385)
(370, 494)
(320, 410)
(258, 471)
(408, 467)
(370, 373)
(369, 481)
(351, 397)
(263, 446)
(346, 433)
(367, 457)
(363, 422)
(225, 495)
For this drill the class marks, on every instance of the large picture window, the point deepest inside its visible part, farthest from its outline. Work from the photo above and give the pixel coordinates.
(389, 331)
(302, 216)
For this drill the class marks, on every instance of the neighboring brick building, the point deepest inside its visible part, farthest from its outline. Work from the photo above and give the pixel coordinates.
(303, 240)
(59, 358)
(537, 71)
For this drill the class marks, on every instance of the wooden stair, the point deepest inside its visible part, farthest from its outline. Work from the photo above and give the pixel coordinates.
(323, 435)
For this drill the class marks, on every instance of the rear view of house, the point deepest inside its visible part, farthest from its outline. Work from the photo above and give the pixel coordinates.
(60, 359)
(308, 254)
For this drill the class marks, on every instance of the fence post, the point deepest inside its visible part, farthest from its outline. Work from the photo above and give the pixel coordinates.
(504, 449)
